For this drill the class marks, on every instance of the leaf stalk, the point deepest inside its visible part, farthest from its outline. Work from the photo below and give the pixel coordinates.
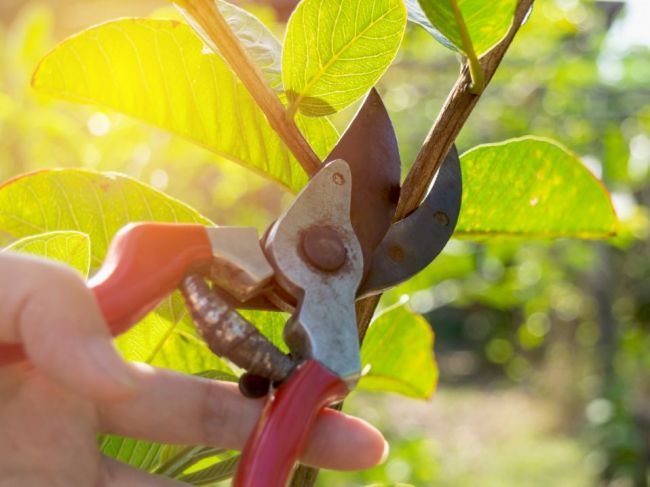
(475, 68)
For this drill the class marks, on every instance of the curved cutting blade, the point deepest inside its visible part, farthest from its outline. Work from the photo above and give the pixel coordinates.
(369, 146)
(412, 243)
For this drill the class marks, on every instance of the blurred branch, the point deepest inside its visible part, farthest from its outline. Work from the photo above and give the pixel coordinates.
(207, 15)
(455, 112)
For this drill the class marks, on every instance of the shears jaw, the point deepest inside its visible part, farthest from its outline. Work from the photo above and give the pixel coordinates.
(414, 242)
(369, 146)
(318, 259)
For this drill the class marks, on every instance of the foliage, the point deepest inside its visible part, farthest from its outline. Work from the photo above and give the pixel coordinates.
(516, 306)
(135, 69)
(347, 57)
(542, 191)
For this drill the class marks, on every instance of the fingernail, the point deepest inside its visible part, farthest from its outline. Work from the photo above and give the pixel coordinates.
(110, 363)
(384, 455)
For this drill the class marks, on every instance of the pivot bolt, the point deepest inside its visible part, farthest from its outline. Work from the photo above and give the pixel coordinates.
(324, 249)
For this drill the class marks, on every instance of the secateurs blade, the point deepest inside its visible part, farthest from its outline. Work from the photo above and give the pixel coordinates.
(334, 244)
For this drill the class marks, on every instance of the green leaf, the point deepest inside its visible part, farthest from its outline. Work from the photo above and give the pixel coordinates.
(99, 205)
(487, 22)
(168, 338)
(271, 324)
(137, 453)
(417, 16)
(159, 71)
(336, 50)
(176, 459)
(95, 204)
(72, 248)
(532, 187)
(215, 473)
(260, 43)
(398, 355)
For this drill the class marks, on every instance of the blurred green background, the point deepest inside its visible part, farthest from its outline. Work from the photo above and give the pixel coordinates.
(543, 346)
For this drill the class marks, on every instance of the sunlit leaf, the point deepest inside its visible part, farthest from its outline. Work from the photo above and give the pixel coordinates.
(72, 248)
(271, 324)
(137, 453)
(417, 15)
(161, 72)
(175, 459)
(532, 187)
(336, 50)
(398, 355)
(215, 473)
(259, 42)
(84, 201)
(99, 205)
(487, 22)
(168, 338)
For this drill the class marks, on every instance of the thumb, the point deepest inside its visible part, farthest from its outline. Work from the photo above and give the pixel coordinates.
(48, 308)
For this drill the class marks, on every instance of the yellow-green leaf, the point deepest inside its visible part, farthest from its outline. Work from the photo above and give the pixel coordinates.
(259, 42)
(397, 355)
(159, 71)
(532, 187)
(487, 21)
(336, 50)
(98, 205)
(72, 248)
(95, 204)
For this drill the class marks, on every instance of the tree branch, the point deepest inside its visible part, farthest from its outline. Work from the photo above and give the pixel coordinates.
(457, 108)
(207, 15)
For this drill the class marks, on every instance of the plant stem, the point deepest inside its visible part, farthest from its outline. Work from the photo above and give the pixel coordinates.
(456, 110)
(207, 15)
(475, 69)
(453, 115)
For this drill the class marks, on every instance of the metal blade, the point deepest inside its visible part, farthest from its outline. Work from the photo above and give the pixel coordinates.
(369, 146)
(412, 243)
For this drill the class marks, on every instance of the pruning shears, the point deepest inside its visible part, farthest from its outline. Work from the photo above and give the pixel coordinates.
(334, 245)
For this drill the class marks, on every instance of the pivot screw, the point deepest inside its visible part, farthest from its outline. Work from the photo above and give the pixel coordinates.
(338, 179)
(324, 249)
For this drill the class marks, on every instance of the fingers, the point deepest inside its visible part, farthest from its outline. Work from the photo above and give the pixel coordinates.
(174, 408)
(121, 475)
(48, 308)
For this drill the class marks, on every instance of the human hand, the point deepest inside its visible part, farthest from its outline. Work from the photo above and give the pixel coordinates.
(76, 386)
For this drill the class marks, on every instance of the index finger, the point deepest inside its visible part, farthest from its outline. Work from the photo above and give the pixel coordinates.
(174, 408)
(49, 310)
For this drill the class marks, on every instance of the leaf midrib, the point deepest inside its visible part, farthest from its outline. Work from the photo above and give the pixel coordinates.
(293, 107)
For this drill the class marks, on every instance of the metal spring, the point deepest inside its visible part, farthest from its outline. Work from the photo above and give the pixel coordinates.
(231, 336)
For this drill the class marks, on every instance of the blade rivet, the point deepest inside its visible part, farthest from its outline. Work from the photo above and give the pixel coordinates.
(323, 248)
(338, 179)
(396, 253)
(442, 218)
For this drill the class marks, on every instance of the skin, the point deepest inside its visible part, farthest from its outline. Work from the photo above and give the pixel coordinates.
(75, 385)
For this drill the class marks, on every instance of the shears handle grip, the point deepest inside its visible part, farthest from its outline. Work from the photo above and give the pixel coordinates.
(279, 437)
(145, 262)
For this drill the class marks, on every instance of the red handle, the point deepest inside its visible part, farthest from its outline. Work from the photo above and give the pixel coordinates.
(145, 262)
(281, 432)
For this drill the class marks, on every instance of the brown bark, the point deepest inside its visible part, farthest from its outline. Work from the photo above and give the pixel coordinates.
(206, 13)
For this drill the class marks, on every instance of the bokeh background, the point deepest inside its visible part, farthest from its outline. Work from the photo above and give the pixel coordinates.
(543, 346)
